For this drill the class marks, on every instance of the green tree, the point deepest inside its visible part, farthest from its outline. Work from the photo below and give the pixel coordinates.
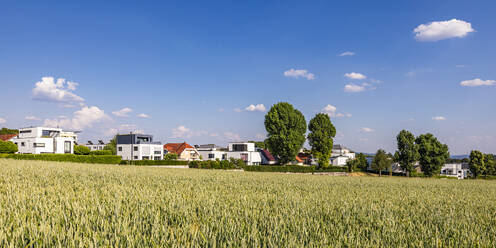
(381, 161)
(321, 137)
(490, 164)
(112, 146)
(5, 130)
(81, 150)
(407, 153)
(476, 163)
(286, 127)
(7, 147)
(432, 154)
(170, 156)
(362, 163)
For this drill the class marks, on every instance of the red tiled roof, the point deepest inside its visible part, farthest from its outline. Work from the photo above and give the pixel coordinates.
(268, 155)
(6, 137)
(299, 159)
(176, 148)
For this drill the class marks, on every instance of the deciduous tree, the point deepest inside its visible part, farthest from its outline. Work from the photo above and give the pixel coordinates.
(476, 163)
(407, 153)
(381, 161)
(320, 138)
(432, 154)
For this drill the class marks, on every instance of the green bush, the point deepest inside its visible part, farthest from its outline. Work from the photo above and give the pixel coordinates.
(81, 150)
(154, 162)
(101, 152)
(286, 168)
(91, 159)
(7, 147)
(170, 156)
(217, 164)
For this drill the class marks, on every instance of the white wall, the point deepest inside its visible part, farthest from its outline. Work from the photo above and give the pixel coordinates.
(48, 145)
(144, 150)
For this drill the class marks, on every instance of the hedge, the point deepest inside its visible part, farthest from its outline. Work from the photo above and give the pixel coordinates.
(217, 164)
(92, 159)
(101, 152)
(333, 169)
(281, 168)
(154, 162)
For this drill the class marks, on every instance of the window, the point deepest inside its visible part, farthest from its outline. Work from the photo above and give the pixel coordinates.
(23, 144)
(135, 157)
(224, 156)
(120, 148)
(211, 155)
(244, 156)
(48, 133)
(25, 131)
(157, 152)
(240, 147)
(39, 144)
(156, 158)
(146, 158)
(135, 148)
(67, 147)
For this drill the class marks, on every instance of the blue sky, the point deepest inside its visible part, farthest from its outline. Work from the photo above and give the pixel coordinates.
(192, 70)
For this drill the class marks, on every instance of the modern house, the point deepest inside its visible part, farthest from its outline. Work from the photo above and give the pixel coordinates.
(37, 140)
(138, 147)
(267, 157)
(340, 155)
(245, 151)
(95, 147)
(183, 150)
(458, 170)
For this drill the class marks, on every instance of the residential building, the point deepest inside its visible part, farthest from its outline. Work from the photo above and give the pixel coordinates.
(236, 150)
(340, 155)
(183, 150)
(138, 147)
(95, 147)
(7, 137)
(458, 170)
(37, 140)
(267, 157)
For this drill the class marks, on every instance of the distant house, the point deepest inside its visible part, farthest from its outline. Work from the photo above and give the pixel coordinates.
(183, 150)
(95, 147)
(340, 155)
(37, 140)
(7, 137)
(267, 157)
(245, 151)
(458, 170)
(138, 147)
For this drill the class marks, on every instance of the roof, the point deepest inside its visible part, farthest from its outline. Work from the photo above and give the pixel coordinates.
(268, 155)
(299, 159)
(6, 137)
(339, 147)
(176, 148)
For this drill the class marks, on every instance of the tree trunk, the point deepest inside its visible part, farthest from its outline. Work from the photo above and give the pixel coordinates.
(407, 173)
(380, 173)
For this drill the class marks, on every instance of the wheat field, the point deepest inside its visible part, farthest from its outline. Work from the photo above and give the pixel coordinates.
(49, 204)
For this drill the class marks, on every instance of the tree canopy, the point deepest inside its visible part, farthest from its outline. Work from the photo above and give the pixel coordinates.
(7, 147)
(476, 163)
(5, 130)
(112, 146)
(432, 154)
(286, 127)
(320, 138)
(407, 153)
(381, 161)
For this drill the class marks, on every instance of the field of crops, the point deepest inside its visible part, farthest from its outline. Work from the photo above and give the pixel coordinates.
(50, 204)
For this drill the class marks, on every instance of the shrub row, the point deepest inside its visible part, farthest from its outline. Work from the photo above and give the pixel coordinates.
(281, 168)
(101, 152)
(154, 162)
(333, 169)
(217, 164)
(92, 159)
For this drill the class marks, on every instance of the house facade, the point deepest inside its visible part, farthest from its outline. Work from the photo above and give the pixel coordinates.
(95, 146)
(340, 155)
(458, 170)
(138, 147)
(212, 152)
(245, 151)
(38, 140)
(183, 150)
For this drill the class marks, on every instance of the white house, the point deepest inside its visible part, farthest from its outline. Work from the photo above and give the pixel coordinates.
(37, 140)
(457, 170)
(238, 150)
(95, 147)
(340, 155)
(139, 147)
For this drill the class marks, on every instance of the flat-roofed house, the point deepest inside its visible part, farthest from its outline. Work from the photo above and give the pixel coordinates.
(138, 147)
(37, 140)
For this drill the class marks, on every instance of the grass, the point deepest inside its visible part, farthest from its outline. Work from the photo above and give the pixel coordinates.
(51, 204)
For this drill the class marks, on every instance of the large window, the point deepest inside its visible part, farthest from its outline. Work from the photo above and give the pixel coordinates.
(67, 147)
(244, 157)
(157, 152)
(48, 133)
(211, 155)
(240, 147)
(120, 148)
(135, 148)
(39, 144)
(25, 131)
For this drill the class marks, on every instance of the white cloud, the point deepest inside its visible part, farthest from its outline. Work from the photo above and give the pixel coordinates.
(439, 118)
(184, 132)
(2, 121)
(477, 82)
(347, 53)
(123, 112)
(142, 115)
(31, 118)
(232, 136)
(355, 75)
(253, 108)
(353, 88)
(441, 30)
(61, 91)
(299, 74)
(83, 118)
(332, 111)
(366, 129)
